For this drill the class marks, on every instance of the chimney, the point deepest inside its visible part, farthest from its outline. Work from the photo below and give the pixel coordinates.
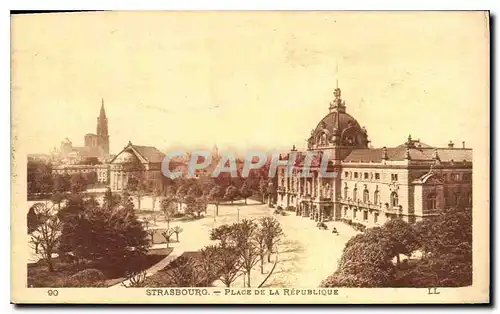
(450, 144)
(463, 144)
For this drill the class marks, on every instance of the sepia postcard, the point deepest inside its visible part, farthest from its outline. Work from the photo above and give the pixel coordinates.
(250, 157)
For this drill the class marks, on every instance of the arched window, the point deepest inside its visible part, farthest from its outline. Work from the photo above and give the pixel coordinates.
(355, 194)
(346, 192)
(366, 196)
(376, 199)
(394, 199)
(431, 201)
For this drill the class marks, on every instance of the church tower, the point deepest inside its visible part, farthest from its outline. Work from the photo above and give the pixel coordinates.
(102, 132)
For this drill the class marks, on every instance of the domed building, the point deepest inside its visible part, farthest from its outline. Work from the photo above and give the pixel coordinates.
(350, 181)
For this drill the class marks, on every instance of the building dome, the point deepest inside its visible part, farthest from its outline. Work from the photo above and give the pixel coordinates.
(338, 128)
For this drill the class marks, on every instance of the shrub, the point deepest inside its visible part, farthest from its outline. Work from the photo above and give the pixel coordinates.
(86, 278)
(347, 221)
(358, 226)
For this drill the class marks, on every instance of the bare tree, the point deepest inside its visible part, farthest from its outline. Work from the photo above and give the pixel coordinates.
(46, 236)
(149, 226)
(223, 234)
(177, 230)
(229, 264)
(136, 280)
(271, 229)
(168, 209)
(208, 262)
(260, 244)
(184, 272)
(244, 234)
(167, 234)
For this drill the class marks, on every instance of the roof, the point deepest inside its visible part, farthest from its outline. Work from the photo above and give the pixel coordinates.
(399, 153)
(152, 154)
(330, 121)
(149, 153)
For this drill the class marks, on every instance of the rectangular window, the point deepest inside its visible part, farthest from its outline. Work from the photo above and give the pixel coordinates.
(365, 215)
(366, 175)
(394, 177)
(375, 218)
(355, 175)
(354, 214)
(377, 176)
(346, 174)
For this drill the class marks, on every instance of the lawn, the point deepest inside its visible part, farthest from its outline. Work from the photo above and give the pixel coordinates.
(38, 276)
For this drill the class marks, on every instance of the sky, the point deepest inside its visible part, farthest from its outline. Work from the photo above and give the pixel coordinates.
(247, 80)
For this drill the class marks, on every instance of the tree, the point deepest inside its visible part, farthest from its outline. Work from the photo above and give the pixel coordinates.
(272, 233)
(260, 243)
(194, 190)
(91, 177)
(98, 233)
(137, 186)
(245, 192)
(62, 183)
(149, 226)
(181, 194)
(190, 205)
(33, 218)
(132, 184)
(126, 201)
(136, 280)
(271, 192)
(78, 183)
(171, 191)
(200, 206)
(401, 237)
(184, 272)
(177, 230)
(167, 234)
(57, 198)
(110, 200)
(46, 236)
(244, 234)
(447, 241)
(229, 264)
(223, 233)
(39, 177)
(216, 194)
(231, 193)
(263, 189)
(168, 209)
(365, 262)
(208, 263)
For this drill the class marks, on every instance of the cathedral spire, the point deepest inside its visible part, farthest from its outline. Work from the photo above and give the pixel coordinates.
(102, 131)
(102, 114)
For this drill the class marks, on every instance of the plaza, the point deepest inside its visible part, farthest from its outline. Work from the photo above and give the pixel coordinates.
(306, 254)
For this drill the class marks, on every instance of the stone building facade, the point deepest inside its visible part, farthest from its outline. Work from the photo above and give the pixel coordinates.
(140, 162)
(411, 181)
(100, 170)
